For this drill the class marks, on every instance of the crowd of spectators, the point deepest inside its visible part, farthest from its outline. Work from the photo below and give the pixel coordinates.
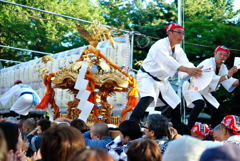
(157, 140)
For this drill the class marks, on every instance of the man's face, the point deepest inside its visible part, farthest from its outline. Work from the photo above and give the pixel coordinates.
(176, 35)
(93, 134)
(25, 129)
(221, 57)
(39, 131)
(222, 135)
(217, 135)
(124, 139)
(147, 132)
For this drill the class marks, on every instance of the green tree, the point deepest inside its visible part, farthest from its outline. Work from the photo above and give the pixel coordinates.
(212, 10)
(210, 33)
(25, 28)
(148, 18)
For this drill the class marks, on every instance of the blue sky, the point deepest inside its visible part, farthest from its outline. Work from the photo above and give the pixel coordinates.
(237, 4)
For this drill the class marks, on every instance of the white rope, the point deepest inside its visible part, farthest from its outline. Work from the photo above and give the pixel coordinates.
(33, 51)
(11, 61)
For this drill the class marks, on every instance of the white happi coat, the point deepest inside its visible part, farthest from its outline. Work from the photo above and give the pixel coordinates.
(161, 63)
(191, 95)
(24, 102)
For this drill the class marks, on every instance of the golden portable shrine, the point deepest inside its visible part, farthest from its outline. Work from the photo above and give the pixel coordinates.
(106, 79)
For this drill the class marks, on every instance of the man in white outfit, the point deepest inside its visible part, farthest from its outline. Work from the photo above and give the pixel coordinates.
(164, 60)
(25, 98)
(221, 75)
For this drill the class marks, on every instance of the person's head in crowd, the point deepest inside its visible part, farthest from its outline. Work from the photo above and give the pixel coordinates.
(92, 154)
(20, 124)
(11, 133)
(28, 125)
(3, 147)
(60, 142)
(13, 137)
(172, 132)
(80, 125)
(99, 131)
(63, 119)
(42, 126)
(62, 123)
(145, 150)
(156, 126)
(216, 133)
(17, 82)
(227, 152)
(175, 33)
(221, 55)
(230, 126)
(200, 131)
(182, 128)
(129, 130)
(186, 148)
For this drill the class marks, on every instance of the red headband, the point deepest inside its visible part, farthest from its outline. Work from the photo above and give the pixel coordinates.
(232, 122)
(222, 48)
(17, 82)
(174, 26)
(201, 129)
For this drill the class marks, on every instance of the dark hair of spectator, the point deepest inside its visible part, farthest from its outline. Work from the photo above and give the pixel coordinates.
(146, 150)
(182, 129)
(92, 154)
(3, 147)
(44, 124)
(80, 125)
(11, 133)
(130, 128)
(158, 124)
(60, 142)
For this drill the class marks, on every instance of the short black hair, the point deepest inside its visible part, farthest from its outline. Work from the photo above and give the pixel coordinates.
(130, 128)
(182, 128)
(158, 124)
(80, 125)
(11, 133)
(44, 124)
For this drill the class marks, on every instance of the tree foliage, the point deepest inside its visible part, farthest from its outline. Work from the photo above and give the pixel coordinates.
(212, 34)
(143, 16)
(212, 10)
(25, 28)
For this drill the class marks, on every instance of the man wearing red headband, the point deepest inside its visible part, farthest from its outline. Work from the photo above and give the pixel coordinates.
(25, 98)
(230, 129)
(197, 99)
(165, 58)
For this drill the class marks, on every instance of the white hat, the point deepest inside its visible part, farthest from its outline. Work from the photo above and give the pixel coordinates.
(185, 148)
